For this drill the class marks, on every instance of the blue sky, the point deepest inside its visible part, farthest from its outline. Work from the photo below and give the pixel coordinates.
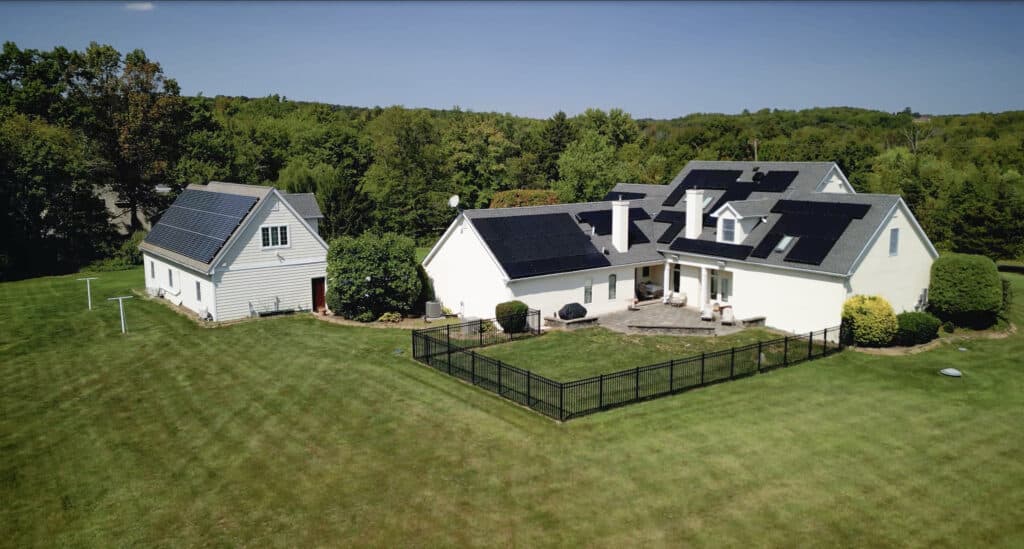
(652, 59)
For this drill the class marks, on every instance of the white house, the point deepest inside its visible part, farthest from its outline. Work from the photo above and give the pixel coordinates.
(229, 251)
(787, 241)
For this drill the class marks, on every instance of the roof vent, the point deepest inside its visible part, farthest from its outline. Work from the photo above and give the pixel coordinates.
(758, 175)
(604, 250)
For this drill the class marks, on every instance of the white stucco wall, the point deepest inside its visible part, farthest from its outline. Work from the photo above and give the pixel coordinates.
(550, 293)
(183, 291)
(466, 278)
(794, 301)
(900, 279)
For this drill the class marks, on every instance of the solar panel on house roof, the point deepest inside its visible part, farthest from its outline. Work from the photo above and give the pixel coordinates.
(775, 182)
(676, 221)
(601, 220)
(709, 247)
(198, 223)
(702, 179)
(533, 245)
(810, 250)
(832, 209)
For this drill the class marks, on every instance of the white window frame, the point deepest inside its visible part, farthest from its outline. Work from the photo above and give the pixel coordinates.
(894, 242)
(199, 291)
(728, 230)
(274, 230)
(152, 269)
(588, 290)
(170, 277)
(613, 282)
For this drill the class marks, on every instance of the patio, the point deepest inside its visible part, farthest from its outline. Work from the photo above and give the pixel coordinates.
(659, 318)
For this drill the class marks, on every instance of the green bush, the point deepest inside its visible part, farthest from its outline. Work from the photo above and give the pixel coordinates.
(948, 327)
(869, 321)
(916, 328)
(390, 317)
(512, 316)
(372, 274)
(1007, 296)
(127, 256)
(965, 289)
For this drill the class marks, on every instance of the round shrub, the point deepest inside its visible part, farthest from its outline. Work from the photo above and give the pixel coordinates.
(965, 289)
(372, 274)
(512, 316)
(948, 327)
(390, 317)
(572, 311)
(869, 321)
(916, 328)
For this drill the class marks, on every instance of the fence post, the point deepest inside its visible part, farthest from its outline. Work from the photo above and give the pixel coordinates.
(529, 398)
(810, 345)
(824, 342)
(732, 361)
(702, 368)
(561, 401)
(636, 393)
(600, 391)
(500, 387)
(671, 374)
(785, 351)
(759, 356)
(480, 330)
(448, 346)
(472, 367)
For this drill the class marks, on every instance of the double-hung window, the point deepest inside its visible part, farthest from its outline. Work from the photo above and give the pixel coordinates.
(894, 241)
(152, 269)
(170, 278)
(728, 230)
(199, 292)
(274, 236)
(612, 281)
(588, 290)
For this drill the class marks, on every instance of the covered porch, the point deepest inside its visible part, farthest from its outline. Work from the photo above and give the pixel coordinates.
(682, 283)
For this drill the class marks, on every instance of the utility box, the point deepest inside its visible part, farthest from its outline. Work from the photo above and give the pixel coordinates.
(433, 310)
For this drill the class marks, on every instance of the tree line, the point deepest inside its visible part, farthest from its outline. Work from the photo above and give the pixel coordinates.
(77, 123)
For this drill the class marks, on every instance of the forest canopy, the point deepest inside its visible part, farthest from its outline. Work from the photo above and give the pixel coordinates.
(74, 124)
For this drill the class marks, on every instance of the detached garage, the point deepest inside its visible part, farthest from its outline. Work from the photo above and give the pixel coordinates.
(229, 251)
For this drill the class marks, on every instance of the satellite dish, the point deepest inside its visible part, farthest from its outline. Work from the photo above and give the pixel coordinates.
(453, 201)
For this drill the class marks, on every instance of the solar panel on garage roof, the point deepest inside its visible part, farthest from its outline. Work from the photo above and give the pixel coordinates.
(533, 245)
(702, 179)
(198, 223)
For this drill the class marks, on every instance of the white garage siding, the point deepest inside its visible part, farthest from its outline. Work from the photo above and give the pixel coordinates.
(183, 290)
(241, 293)
(899, 278)
(465, 277)
(248, 248)
(550, 293)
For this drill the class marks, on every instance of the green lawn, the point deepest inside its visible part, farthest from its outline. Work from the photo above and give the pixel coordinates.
(294, 432)
(565, 356)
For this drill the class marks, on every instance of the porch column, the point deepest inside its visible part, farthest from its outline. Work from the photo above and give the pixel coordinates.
(704, 299)
(666, 288)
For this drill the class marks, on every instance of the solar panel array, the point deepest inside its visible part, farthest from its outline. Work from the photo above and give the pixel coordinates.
(775, 182)
(709, 247)
(702, 179)
(601, 220)
(676, 221)
(816, 225)
(617, 195)
(199, 223)
(533, 245)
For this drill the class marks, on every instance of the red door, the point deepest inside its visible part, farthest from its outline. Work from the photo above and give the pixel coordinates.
(319, 301)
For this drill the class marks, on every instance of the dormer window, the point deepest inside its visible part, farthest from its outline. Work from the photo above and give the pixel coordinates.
(784, 243)
(728, 230)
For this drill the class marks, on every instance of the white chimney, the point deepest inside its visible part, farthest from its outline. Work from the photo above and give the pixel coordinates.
(694, 212)
(620, 225)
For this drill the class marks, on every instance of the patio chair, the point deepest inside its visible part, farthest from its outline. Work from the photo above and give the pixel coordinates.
(728, 319)
(677, 300)
(706, 313)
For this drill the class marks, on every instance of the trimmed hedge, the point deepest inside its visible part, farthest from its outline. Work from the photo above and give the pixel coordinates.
(965, 289)
(512, 316)
(916, 328)
(869, 321)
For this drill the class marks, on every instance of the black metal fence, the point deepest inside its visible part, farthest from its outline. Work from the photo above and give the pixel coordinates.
(440, 349)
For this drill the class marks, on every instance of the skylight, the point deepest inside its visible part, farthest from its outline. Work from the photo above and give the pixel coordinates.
(783, 243)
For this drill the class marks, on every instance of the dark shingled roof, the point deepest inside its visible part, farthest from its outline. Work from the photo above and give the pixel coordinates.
(305, 204)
